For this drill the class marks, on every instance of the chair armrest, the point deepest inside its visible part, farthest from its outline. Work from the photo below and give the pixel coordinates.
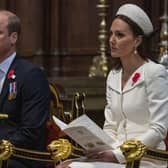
(58, 150)
(134, 150)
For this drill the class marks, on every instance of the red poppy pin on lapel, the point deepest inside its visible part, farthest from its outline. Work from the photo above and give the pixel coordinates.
(135, 78)
(11, 74)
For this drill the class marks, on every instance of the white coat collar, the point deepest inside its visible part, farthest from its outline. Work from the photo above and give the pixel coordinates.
(115, 81)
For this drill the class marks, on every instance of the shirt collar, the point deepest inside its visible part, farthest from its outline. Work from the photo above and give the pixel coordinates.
(4, 66)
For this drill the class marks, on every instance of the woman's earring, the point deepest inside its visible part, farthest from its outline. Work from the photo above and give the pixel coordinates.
(135, 52)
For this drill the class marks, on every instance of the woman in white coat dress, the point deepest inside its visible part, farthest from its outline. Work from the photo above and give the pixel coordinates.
(136, 92)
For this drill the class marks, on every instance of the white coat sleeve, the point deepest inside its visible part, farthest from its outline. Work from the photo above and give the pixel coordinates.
(157, 96)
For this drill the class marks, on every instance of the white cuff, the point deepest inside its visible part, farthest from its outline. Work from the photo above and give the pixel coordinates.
(119, 155)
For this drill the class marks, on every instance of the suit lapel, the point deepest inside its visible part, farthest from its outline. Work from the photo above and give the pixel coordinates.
(5, 89)
(115, 83)
(4, 92)
(117, 80)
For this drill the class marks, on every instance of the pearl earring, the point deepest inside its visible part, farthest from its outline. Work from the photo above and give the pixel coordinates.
(135, 52)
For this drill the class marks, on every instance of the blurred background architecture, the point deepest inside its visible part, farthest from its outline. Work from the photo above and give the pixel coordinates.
(66, 37)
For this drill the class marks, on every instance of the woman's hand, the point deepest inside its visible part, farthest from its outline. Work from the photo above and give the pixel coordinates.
(64, 164)
(104, 156)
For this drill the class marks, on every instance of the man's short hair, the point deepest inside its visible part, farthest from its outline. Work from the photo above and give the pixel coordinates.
(14, 24)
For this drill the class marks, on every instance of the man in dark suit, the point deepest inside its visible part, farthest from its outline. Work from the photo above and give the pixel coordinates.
(24, 95)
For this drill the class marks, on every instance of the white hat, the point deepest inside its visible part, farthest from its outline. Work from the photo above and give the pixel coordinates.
(137, 15)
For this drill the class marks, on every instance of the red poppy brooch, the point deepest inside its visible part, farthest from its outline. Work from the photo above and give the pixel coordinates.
(135, 78)
(11, 74)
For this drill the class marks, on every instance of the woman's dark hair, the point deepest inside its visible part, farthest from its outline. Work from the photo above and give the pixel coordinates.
(116, 63)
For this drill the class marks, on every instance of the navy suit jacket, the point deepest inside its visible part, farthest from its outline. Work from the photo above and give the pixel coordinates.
(25, 98)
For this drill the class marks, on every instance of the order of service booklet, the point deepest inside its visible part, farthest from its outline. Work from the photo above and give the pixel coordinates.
(86, 133)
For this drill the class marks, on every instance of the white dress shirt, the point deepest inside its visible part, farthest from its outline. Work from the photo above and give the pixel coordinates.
(4, 66)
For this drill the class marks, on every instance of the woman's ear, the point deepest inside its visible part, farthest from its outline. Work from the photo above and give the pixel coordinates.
(138, 41)
(13, 37)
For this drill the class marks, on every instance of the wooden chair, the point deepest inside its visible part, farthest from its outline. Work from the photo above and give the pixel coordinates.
(57, 109)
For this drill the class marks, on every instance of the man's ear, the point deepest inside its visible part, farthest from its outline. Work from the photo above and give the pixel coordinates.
(13, 37)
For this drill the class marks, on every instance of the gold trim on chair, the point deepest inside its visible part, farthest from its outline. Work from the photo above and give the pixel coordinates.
(6, 150)
(58, 110)
(58, 150)
(78, 107)
(134, 150)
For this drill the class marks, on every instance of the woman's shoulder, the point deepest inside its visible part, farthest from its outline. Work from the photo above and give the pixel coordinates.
(153, 70)
(112, 73)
